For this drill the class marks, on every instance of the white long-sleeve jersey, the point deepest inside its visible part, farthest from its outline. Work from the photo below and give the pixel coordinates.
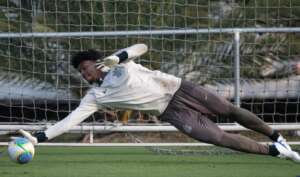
(128, 86)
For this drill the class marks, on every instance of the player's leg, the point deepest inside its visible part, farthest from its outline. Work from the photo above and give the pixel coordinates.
(182, 112)
(221, 107)
(251, 121)
(203, 129)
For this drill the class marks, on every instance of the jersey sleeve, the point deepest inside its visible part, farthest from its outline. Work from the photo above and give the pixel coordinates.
(86, 107)
(130, 53)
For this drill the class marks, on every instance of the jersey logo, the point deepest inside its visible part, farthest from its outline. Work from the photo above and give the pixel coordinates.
(117, 72)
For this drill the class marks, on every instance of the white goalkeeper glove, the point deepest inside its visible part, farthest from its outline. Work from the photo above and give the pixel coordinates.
(107, 61)
(36, 138)
(28, 136)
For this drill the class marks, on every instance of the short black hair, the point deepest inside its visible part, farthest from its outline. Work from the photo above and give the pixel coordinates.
(90, 54)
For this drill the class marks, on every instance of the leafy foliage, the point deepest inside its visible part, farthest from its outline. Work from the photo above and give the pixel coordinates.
(198, 57)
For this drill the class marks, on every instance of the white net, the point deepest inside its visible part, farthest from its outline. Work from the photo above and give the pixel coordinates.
(38, 84)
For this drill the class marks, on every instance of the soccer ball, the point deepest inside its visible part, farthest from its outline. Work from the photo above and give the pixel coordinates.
(21, 150)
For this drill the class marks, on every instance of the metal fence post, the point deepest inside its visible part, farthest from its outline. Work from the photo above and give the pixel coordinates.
(91, 136)
(237, 68)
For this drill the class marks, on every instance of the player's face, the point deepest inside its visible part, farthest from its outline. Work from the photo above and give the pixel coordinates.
(89, 71)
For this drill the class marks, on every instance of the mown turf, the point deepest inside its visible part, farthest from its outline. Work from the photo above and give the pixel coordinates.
(139, 162)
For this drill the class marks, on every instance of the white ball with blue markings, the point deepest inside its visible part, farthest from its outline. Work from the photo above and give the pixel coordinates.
(21, 150)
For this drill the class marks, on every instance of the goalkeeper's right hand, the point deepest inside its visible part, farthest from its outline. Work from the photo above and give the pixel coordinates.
(34, 139)
(107, 61)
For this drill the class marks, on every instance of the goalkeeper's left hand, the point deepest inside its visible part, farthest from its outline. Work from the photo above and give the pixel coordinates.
(34, 139)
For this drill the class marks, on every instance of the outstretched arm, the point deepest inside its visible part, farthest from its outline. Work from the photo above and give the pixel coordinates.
(87, 107)
(123, 55)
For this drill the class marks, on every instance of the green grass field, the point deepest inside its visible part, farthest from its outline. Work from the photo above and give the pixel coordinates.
(139, 162)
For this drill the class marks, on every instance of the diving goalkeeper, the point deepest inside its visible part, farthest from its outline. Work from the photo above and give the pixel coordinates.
(120, 83)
